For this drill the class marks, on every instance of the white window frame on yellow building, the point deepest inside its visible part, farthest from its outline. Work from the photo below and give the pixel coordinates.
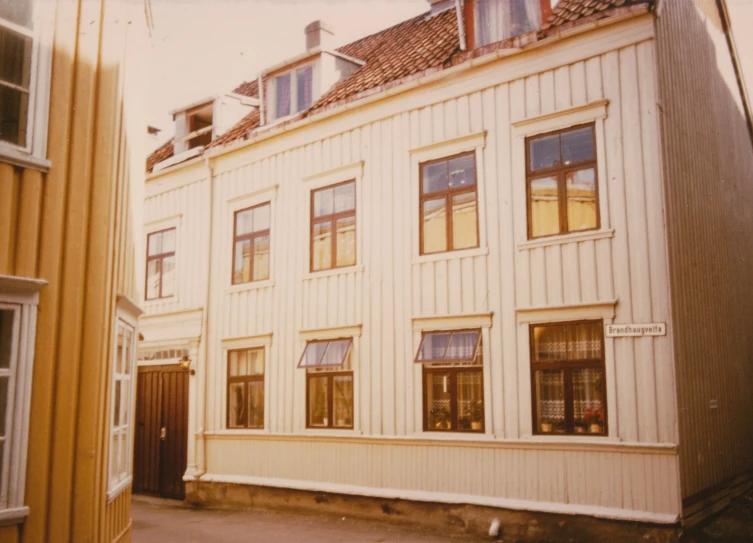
(21, 297)
(33, 154)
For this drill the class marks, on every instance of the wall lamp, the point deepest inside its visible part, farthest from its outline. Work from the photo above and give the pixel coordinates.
(185, 363)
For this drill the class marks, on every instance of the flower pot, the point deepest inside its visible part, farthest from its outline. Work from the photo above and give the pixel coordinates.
(324, 421)
(342, 422)
(546, 426)
(595, 428)
(476, 425)
(580, 430)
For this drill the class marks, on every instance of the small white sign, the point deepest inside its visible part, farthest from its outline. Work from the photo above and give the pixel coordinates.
(636, 330)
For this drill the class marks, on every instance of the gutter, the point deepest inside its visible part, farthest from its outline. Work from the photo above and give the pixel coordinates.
(426, 77)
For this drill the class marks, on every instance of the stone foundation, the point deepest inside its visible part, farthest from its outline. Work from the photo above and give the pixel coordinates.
(517, 526)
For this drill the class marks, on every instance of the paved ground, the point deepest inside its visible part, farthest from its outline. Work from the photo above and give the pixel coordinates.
(167, 521)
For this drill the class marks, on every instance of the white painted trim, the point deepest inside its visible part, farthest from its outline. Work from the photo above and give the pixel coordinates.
(336, 175)
(575, 237)
(451, 255)
(252, 285)
(562, 119)
(250, 196)
(333, 271)
(20, 290)
(451, 498)
(450, 147)
(129, 307)
(16, 515)
(18, 158)
(248, 342)
(119, 488)
(162, 224)
(330, 333)
(567, 312)
(177, 159)
(453, 322)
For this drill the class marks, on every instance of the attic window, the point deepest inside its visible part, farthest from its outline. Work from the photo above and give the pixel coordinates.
(498, 20)
(294, 91)
(199, 126)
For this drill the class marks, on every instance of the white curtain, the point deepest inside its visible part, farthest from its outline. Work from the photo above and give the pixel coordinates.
(498, 20)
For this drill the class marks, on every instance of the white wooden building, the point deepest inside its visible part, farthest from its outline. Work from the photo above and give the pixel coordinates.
(405, 287)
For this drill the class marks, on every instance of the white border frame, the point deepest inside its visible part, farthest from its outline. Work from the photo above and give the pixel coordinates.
(233, 205)
(158, 225)
(464, 144)
(293, 72)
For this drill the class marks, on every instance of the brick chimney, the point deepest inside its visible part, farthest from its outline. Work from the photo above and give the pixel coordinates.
(319, 34)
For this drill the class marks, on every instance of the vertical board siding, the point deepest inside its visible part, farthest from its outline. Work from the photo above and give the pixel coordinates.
(707, 168)
(391, 286)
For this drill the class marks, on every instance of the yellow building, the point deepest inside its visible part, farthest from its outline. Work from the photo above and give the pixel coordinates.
(67, 249)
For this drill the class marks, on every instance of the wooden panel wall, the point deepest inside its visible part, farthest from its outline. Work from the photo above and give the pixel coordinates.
(392, 286)
(73, 228)
(708, 164)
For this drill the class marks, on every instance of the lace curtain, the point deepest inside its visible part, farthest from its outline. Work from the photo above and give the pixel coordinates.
(498, 20)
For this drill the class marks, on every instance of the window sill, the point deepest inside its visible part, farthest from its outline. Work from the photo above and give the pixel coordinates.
(455, 436)
(159, 301)
(23, 160)
(253, 285)
(243, 432)
(331, 432)
(119, 488)
(450, 255)
(566, 238)
(332, 271)
(572, 439)
(9, 517)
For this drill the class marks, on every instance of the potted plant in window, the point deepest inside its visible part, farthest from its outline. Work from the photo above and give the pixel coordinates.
(594, 419)
(546, 427)
(477, 415)
(343, 407)
(441, 418)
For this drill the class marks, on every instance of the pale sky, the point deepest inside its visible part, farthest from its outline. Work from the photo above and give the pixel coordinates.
(205, 47)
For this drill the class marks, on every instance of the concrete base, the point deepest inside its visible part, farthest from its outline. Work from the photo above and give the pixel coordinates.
(517, 526)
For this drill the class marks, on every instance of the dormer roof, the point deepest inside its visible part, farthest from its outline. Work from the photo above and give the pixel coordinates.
(428, 42)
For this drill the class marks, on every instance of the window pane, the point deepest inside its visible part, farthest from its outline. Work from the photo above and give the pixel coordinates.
(346, 241)
(6, 337)
(244, 222)
(127, 351)
(550, 401)
(168, 276)
(544, 152)
(16, 11)
(462, 346)
(4, 380)
(584, 341)
(116, 405)
(236, 405)
(13, 111)
(435, 177)
(434, 346)
(588, 400)
(119, 351)
(242, 270)
(15, 57)
(435, 226)
(343, 400)
(322, 250)
(318, 415)
(261, 258)
(255, 361)
(282, 89)
(545, 216)
(549, 343)
(313, 353)
(168, 241)
(577, 145)
(114, 452)
(123, 402)
(336, 352)
(123, 455)
(464, 221)
(470, 401)
(153, 268)
(261, 218)
(238, 363)
(324, 203)
(256, 404)
(438, 403)
(304, 87)
(581, 200)
(345, 197)
(462, 171)
(520, 17)
(155, 244)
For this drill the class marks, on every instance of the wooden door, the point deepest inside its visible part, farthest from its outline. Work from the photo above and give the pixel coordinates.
(161, 431)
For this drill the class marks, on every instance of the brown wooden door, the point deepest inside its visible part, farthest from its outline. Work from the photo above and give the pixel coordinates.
(161, 431)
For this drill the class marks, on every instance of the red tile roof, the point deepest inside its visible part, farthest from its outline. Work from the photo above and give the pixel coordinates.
(163, 152)
(409, 48)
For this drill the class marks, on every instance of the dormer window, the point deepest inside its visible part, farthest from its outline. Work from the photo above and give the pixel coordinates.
(294, 91)
(498, 20)
(199, 126)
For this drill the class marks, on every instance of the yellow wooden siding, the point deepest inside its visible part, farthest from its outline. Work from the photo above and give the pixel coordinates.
(708, 160)
(60, 227)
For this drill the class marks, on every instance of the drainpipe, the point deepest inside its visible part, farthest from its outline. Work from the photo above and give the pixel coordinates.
(261, 100)
(461, 24)
(201, 401)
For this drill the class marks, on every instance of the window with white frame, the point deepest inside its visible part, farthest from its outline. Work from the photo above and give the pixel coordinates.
(24, 77)
(121, 402)
(294, 91)
(498, 20)
(18, 312)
